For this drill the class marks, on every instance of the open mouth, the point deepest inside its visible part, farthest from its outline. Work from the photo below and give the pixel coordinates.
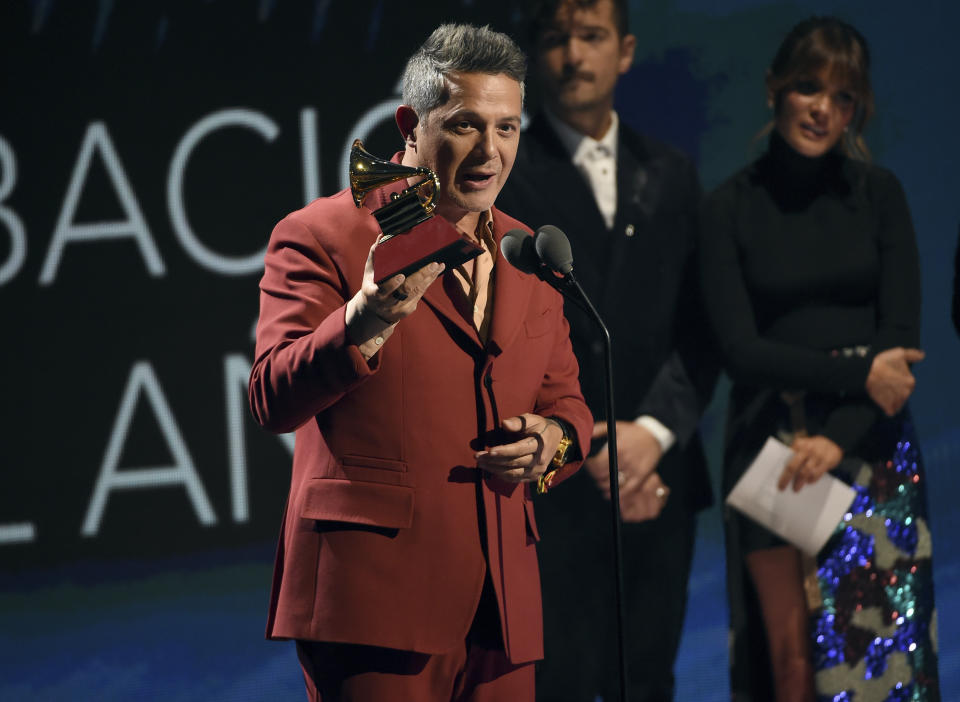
(478, 180)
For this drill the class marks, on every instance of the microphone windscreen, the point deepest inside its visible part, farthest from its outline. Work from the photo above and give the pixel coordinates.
(553, 248)
(517, 247)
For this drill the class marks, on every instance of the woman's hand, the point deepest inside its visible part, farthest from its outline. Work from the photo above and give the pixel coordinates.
(890, 381)
(812, 457)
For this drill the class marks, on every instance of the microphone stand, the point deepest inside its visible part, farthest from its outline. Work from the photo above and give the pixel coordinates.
(570, 288)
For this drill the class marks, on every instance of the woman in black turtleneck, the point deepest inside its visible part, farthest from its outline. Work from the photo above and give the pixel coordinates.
(811, 282)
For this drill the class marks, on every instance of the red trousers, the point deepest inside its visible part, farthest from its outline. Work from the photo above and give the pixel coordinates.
(469, 673)
(476, 671)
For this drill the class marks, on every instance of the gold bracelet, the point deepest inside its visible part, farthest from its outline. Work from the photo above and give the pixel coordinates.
(560, 457)
(558, 461)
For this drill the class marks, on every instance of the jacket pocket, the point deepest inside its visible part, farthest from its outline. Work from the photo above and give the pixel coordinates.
(540, 324)
(364, 469)
(371, 504)
(369, 462)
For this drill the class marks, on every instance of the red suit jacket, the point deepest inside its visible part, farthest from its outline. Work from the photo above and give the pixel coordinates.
(390, 527)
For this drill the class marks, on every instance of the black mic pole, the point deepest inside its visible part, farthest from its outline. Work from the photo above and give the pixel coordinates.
(571, 282)
(542, 255)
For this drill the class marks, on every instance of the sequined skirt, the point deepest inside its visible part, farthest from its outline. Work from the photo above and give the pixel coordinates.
(875, 637)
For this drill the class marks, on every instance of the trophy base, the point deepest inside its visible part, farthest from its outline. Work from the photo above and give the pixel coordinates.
(433, 240)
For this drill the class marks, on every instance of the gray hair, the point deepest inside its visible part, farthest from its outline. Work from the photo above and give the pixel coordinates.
(456, 48)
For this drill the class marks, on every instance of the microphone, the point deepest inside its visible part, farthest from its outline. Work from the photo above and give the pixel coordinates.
(518, 248)
(553, 248)
(522, 251)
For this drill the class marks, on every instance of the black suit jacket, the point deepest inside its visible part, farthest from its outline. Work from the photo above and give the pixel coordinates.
(641, 276)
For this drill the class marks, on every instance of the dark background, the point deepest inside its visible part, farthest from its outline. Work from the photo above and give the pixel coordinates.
(147, 149)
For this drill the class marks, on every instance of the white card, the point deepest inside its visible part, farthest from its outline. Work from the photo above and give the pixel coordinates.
(806, 518)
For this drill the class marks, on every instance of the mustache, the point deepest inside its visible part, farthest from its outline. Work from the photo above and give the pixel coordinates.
(571, 73)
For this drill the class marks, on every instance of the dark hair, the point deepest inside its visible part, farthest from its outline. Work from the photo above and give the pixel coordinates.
(829, 43)
(543, 13)
(458, 48)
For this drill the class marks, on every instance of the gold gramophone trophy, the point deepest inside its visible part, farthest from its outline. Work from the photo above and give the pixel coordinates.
(412, 236)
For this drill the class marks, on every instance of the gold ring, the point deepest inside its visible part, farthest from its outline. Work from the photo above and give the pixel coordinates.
(543, 482)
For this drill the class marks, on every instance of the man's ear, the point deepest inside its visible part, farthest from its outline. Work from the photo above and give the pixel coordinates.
(628, 45)
(407, 121)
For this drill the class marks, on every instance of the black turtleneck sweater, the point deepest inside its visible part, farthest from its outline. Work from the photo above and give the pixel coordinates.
(801, 257)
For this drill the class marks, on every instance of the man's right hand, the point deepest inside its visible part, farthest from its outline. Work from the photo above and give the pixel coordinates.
(375, 309)
(396, 297)
(890, 382)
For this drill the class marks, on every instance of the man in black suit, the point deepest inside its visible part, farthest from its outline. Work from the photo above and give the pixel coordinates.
(628, 205)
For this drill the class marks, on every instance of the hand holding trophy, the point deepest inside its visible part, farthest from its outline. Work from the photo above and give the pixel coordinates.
(412, 236)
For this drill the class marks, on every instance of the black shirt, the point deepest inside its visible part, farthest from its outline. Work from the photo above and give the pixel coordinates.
(803, 257)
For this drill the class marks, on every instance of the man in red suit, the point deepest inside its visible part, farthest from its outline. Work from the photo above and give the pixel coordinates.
(424, 407)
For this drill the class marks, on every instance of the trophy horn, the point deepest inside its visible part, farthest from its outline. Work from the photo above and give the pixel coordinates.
(369, 172)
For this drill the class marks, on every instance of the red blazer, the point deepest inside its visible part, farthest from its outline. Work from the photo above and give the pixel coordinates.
(390, 527)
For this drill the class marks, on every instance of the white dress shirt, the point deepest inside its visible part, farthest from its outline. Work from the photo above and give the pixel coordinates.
(596, 160)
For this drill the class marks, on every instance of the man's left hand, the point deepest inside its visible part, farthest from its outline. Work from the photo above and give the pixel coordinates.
(638, 453)
(527, 457)
(647, 502)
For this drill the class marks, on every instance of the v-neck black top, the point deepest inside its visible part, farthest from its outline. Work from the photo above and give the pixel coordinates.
(801, 258)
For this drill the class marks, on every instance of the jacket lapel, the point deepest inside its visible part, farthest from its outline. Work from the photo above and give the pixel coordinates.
(511, 294)
(638, 188)
(439, 297)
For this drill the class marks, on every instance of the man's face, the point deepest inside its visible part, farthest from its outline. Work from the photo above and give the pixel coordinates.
(581, 55)
(470, 141)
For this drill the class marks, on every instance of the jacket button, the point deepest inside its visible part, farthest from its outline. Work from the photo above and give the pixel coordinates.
(629, 230)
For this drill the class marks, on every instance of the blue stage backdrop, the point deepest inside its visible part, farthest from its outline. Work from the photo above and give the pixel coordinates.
(147, 149)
